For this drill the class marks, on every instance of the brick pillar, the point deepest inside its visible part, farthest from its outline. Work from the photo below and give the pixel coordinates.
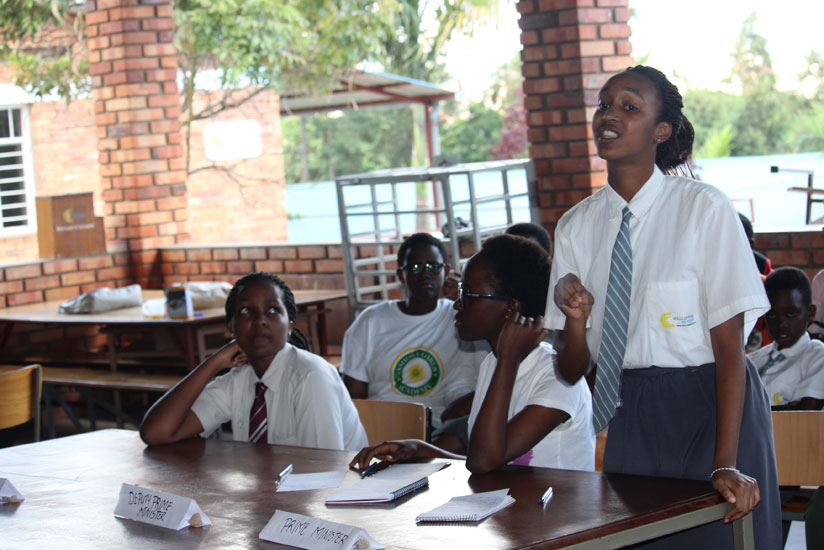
(133, 63)
(570, 48)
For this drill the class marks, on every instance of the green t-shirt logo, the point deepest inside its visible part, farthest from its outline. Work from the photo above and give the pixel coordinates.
(416, 372)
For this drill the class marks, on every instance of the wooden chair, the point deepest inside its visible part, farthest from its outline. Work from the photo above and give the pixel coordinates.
(799, 454)
(20, 390)
(387, 420)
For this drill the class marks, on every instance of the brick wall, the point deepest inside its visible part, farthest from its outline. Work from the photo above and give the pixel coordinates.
(133, 65)
(570, 48)
(126, 146)
(64, 147)
(317, 266)
(239, 200)
(58, 168)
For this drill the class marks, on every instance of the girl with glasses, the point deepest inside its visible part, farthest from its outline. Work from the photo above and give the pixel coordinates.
(522, 413)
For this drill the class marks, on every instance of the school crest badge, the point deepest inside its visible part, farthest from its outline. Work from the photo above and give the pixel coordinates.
(416, 372)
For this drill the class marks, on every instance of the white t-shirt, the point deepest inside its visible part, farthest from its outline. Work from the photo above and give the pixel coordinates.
(415, 358)
(693, 268)
(800, 374)
(571, 445)
(306, 401)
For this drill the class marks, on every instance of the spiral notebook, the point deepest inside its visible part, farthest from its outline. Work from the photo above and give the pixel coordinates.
(473, 507)
(387, 485)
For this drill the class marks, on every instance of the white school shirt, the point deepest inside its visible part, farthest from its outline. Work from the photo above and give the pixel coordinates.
(306, 402)
(800, 374)
(571, 445)
(413, 358)
(693, 268)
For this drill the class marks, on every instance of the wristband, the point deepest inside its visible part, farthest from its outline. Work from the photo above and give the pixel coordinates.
(721, 469)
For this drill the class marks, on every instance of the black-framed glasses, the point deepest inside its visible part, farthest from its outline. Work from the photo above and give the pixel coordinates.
(463, 294)
(417, 269)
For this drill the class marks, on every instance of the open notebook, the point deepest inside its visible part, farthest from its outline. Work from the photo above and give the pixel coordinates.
(473, 507)
(387, 485)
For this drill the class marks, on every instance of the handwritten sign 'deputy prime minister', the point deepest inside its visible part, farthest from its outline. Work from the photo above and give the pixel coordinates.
(158, 508)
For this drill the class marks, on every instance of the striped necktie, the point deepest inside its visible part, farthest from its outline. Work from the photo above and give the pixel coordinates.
(772, 361)
(258, 415)
(614, 336)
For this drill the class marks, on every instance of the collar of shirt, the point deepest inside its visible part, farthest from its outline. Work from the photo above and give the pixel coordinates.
(270, 377)
(794, 351)
(643, 200)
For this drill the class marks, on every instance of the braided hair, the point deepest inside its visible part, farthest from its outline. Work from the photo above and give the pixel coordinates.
(676, 150)
(519, 269)
(296, 337)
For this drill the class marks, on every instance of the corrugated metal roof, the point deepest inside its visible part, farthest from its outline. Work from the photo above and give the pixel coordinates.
(363, 89)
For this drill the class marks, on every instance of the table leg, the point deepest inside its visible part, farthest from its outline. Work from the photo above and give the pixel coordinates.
(322, 330)
(5, 332)
(51, 393)
(189, 349)
(49, 411)
(743, 533)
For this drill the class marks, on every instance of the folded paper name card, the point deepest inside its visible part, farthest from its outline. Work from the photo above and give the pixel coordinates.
(315, 533)
(8, 494)
(159, 508)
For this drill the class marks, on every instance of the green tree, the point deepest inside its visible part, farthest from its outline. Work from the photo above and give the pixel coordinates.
(717, 144)
(763, 126)
(251, 45)
(414, 43)
(353, 142)
(472, 138)
(752, 66)
(815, 73)
(710, 112)
(808, 131)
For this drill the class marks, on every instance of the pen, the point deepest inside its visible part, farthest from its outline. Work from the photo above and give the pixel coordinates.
(370, 469)
(546, 497)
(282, 475)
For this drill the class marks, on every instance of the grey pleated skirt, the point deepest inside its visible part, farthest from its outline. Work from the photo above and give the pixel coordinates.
(666, 427)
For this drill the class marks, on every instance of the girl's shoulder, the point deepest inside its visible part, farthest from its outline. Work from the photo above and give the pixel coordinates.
(679, 188)
(306, 360)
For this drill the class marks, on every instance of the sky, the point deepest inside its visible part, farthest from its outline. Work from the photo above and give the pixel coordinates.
(693, 40)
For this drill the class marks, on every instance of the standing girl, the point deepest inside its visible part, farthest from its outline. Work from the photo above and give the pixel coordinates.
(654, 280)
(276, 392)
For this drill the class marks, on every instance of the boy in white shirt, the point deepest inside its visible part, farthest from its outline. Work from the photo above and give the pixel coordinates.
(792, 367)
(409, 350)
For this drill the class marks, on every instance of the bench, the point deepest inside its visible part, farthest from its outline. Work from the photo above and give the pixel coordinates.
(86, 380)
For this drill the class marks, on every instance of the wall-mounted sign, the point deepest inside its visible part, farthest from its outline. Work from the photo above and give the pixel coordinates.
(232, 140)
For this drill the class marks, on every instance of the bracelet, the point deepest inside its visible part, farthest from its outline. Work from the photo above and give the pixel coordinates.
(721, 469)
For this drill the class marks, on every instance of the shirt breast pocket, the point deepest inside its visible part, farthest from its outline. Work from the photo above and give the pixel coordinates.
(673, 310)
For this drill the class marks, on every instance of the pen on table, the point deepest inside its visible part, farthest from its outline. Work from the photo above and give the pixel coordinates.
(282, 475)
(546, 497)
(372, 468)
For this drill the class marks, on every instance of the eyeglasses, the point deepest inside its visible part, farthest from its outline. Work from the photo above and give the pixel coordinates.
(417, 269)
(463, 294)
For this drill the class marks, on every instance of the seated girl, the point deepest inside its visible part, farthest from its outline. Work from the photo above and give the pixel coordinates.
(522, 412)
(277, 392)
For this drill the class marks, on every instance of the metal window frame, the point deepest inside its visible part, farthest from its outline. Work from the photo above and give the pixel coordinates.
(28, 174)
(374, 266)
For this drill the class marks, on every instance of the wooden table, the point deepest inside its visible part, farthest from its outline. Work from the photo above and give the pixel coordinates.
(189, 331)
(72, 484)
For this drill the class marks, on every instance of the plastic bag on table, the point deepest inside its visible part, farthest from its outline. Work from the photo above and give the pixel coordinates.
(104, 299)
(208, 294)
